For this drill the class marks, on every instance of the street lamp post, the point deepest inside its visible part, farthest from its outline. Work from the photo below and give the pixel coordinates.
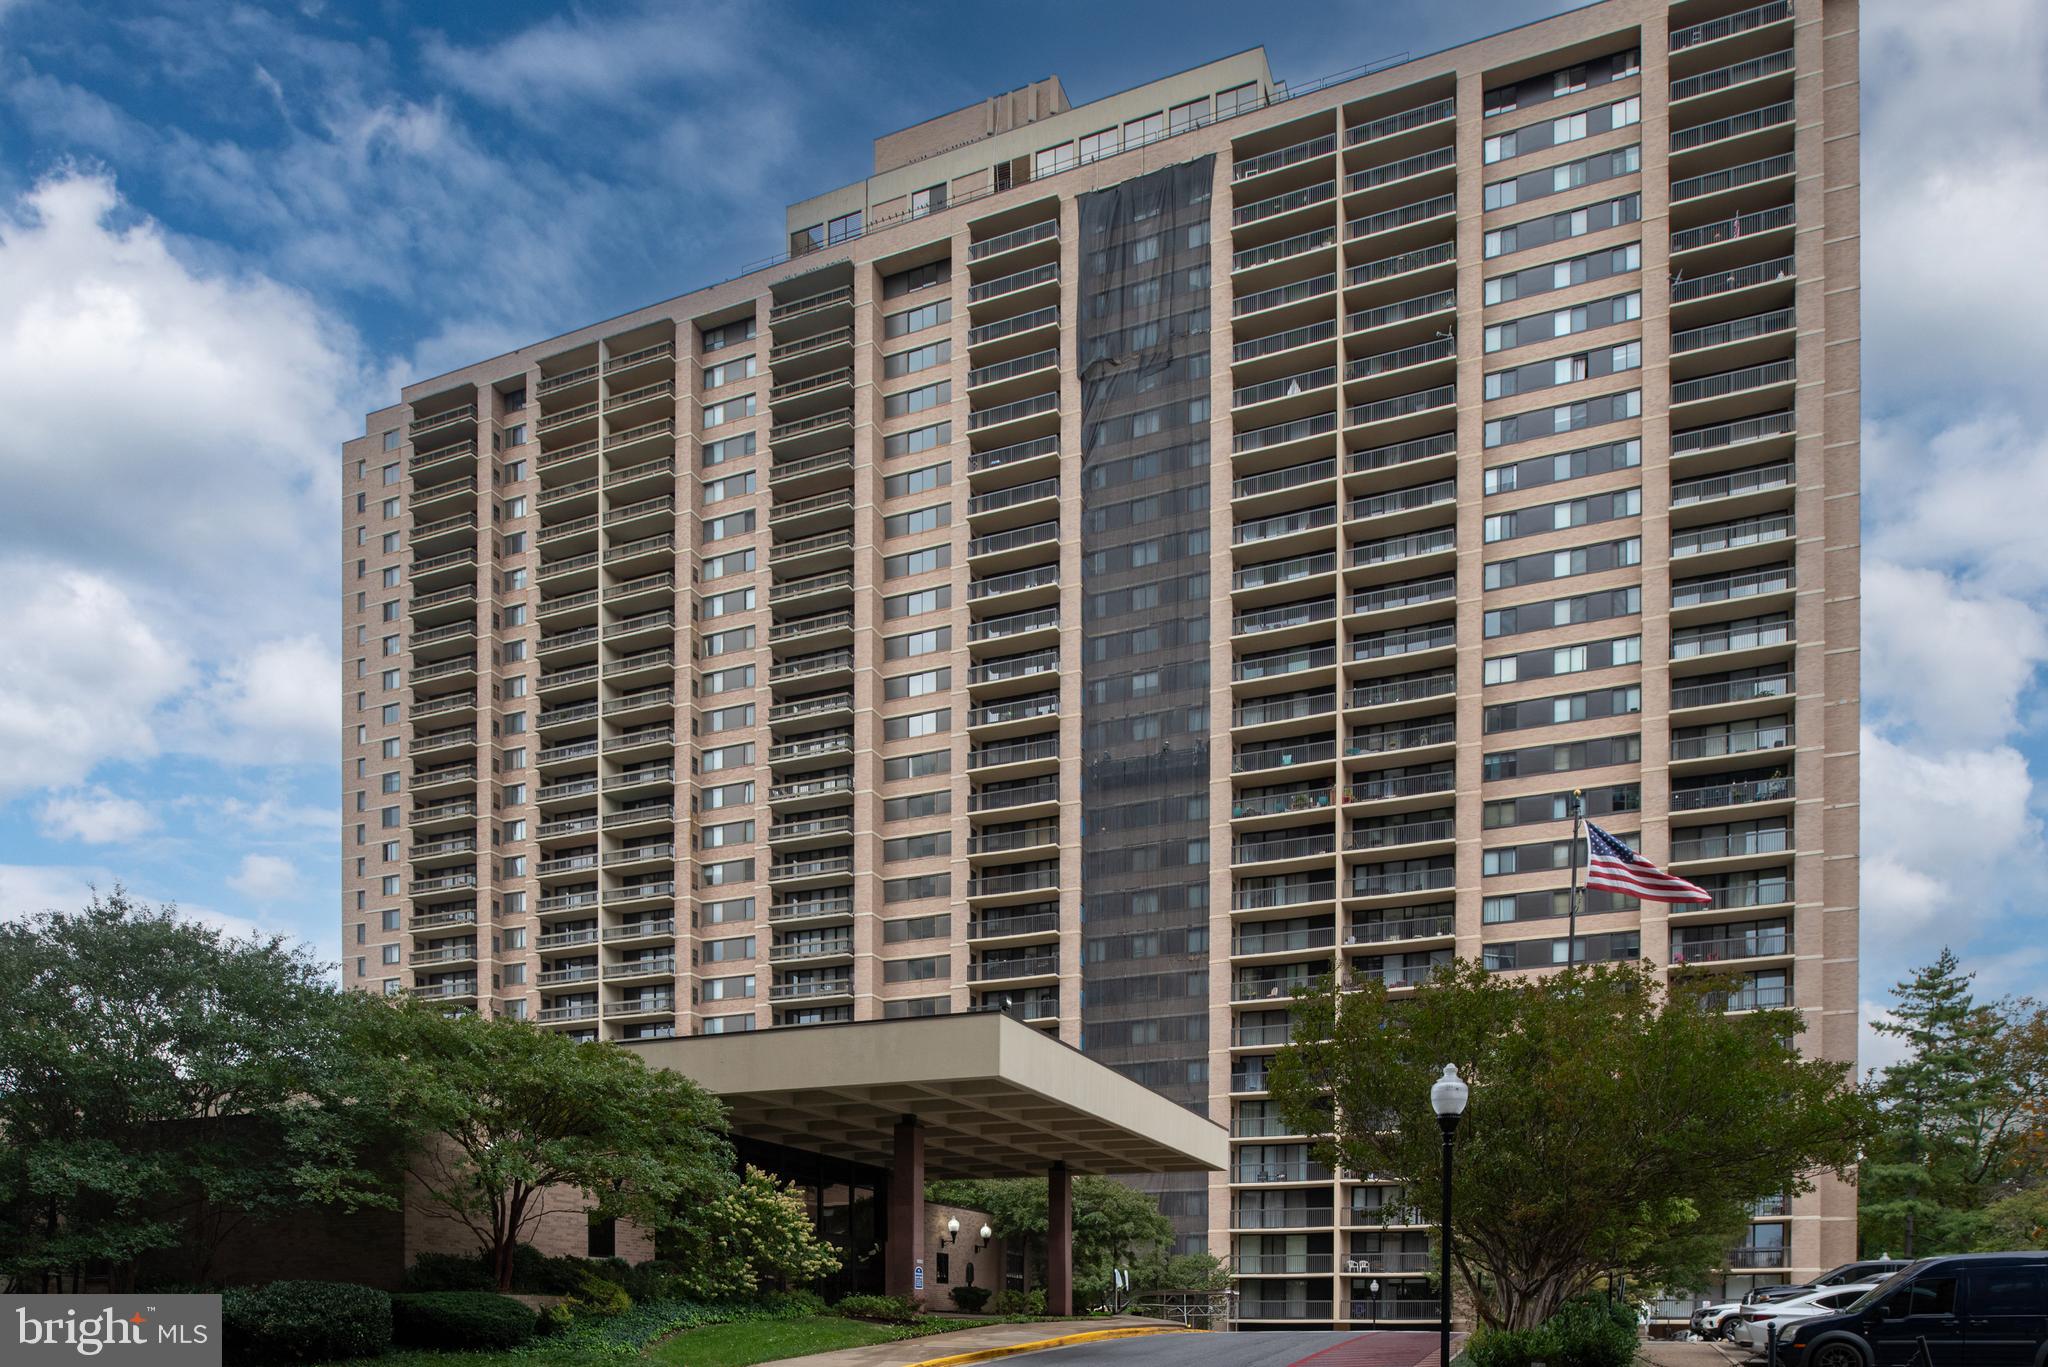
(1447, 1097)
(1375, 1302)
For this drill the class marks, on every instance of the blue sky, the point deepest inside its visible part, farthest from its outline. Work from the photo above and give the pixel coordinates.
(227, 230)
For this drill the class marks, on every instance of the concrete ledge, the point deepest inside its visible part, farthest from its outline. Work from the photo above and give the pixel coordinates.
(1061, 1341)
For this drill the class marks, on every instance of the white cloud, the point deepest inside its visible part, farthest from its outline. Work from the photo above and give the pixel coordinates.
(1943, 660)
(95, 816)
(82, 674)
(1944, 837)
(29, 889)
(280, 703)
(265, 879)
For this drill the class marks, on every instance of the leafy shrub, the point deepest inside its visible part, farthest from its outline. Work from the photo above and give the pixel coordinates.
(534, 1272)
(459, 1319)
(971, 1298)
(1593, 1331)
(555, 1320)
(1510, 1347)
(887, 1309)
(449, 1272)
(1020, 1302)
(304, 1322)
(777, 1305)
(596, 1296)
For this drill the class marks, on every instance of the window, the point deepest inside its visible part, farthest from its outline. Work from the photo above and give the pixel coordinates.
(728, 334)
(391, 954)
(917, 562)
(916, 521)
(918, 766)
(728, 795)
(728, 641)
(916, 970)
(729, 718)
(1052, 160)
(917, 805)
(917, 358)
(916, 320)
(392, 473)
(1096, 146)
(1237, 101)
(928, 200)
(729, 372)
(732, 486)
(917, 400)
(732, 524)
(925, 846)
(917, 643)
(731, 448)
(1193, 114)
(726, 757)
(727, 912)
(718, 414)
(390, 442)
(911, 604)
(1150, 128)
(917, 889)
(920, 481)
(728, 989)
(729, 951)
(844, 227)
(807, 239)
(917, 685)
(917, 724)
(917, 439)
(725, 680)
(732, 562)
(721, 604)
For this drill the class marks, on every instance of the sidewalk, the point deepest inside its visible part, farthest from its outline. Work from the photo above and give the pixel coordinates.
(909, 1351)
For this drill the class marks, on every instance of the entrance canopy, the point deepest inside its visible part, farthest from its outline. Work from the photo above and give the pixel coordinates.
(992, 1096)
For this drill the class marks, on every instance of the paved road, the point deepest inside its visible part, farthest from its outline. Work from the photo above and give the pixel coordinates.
(1284, 1349)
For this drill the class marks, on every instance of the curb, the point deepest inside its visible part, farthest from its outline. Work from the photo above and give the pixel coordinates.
(1039, 1345)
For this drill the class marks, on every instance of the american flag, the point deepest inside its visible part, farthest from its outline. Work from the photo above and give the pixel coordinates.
(1617, 868)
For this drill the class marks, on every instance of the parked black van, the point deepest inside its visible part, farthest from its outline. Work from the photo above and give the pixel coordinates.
(1968, 1310)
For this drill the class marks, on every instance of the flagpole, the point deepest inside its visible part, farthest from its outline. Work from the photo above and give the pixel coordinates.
(1571, 944)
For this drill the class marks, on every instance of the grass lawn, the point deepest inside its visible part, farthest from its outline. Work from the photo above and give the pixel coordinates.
(740, 1345)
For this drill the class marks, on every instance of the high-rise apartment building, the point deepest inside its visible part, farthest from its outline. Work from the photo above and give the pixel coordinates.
(1131, 559)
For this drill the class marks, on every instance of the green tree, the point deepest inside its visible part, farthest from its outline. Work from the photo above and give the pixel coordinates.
(1114, 1225)
(1957, 1112)
(755, 1233)
(501, 1112)
(1616, 1125)
(162, 1084)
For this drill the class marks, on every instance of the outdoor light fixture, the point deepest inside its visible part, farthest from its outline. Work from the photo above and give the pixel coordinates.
(953, 1229)
(1447, 1097)
(986, 1235)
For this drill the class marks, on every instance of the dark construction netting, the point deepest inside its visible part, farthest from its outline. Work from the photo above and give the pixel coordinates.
(1144, 369)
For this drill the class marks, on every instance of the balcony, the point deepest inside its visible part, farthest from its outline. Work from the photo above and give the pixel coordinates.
(1388, 740)
(1727, 26)
(1012, 966)
(809, 828)
(1008, 796)
(812, 947)
(1403, 641)
(1252, 349)
(1375, 881)
(1031, 281)
(998, 925)
(1748, 635)
(1283, 526)
(1283, 208)
(1735, 229)
(1760, 944)
(1375, 788)
(1285, 616)
(1287, 437)
(1734, 742)
(805, 989)
(815, 907)
(1745, 792)
(1015, 542)
(1375, 228)
(811, 304)
(1282, 663)
(1271, 301)
(1293, 155)
(1018, 411)
(1721, 130)
(1038, 450)
(1402, 171)
(1440, 446)
(1008, 753)
(1743, 73)
(1717, 283)
(1014, 668)
(1396, 549)
(812, 552)
(1277, 573)
(1381, 932)
(1282, 755)
(1729, 536)
(1273, 894)
(1017, 326)
(1407, 121)
(1014, 241)
(1287, 249)
(1278, 849)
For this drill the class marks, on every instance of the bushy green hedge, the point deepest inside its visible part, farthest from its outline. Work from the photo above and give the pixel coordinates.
(1587, 1331)
(971, 1298)
(648, 1321)
(459, 1320)
(449, 1272)
(887, 1309)
(1021, 1302)
(304, 1322)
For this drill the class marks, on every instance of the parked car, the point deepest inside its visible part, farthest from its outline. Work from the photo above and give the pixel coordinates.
(1751, 1325)
(1965, 1310)
(1711, 1321)
(1869, 1270)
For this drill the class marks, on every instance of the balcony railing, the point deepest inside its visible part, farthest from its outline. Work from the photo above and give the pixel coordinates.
(1394, 548)
(1734, 126)
(1751, 531)
(1282, 295)
(1275, 342)
(1401, 358)
(1006, 327)
(1731, 794)
(1011, 241)
(1313, 240)
(1409, 928)
(1421, 211)
(1012, 283)
(1734, 177)
(1275, 205)
(1721, 78)
(1746, 740)
(1732, 382)
(1690, 642)
(1777, 11)
(1401, 785)
(1741, 277)
(1279, 434)
(1285, 156)
(1733, 229)
(1407, 168)
(979, 462)
(1735, 330)
(1726, 948)
(1422, 115)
